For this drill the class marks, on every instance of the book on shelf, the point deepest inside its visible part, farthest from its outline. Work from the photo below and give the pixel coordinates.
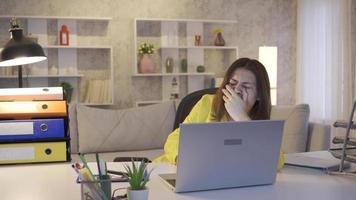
(98, 91)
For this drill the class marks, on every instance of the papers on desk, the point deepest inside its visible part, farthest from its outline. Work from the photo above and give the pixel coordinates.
(303, 160)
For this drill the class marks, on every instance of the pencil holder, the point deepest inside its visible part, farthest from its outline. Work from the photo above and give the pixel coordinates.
(97, 189)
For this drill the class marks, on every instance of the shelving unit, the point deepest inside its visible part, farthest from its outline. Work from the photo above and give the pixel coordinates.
(188, 20)
(177, 74)
(75, 47)
(348, 150)
(57, 17)
(200, 47)
(175, 38)
(87, 67)
(146, 103)
(45, 76)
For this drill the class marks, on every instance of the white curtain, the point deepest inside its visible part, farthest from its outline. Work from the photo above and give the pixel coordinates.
(324, 69)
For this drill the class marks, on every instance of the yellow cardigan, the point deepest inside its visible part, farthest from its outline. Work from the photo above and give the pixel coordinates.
(201, 112)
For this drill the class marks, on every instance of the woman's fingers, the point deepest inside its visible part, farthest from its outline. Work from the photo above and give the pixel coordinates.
(232, 92)
(225, 99)
(227, 93)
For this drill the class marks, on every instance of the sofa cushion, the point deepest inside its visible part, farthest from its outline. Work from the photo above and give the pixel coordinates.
(295, 132)
(108, 130)
(73, 127)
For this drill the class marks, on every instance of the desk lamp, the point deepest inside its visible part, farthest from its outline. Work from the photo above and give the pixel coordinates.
(20, 50)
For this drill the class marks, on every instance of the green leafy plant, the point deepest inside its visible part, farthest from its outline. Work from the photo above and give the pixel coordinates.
(67, 89)
(146, 49)
(137, 175)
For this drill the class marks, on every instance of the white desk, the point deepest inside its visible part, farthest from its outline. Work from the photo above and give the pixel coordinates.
(57, 182)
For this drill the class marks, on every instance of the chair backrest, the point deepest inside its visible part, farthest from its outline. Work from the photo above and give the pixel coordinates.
(188, 102)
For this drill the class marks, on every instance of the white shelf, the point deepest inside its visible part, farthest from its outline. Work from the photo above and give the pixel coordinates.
(188, 20)
(143, 103)
(57, 17)
(9, 77)
(59, 76)
(177, 74)
(67, 57)
(169, 42)
(96, 104)
(45, 76)
(200, 47)
(75, 47)
(149, 102)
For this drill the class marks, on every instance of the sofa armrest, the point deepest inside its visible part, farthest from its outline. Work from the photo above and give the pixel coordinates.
(318, 137)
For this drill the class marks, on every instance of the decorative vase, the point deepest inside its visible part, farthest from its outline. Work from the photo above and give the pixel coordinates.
(184, 65)
(200, 69)
(71, 71)
(147, 64)
(53, 70)
(137, 194)
(197, 39)
(34, 70)
(219, 40)
(169, 65)
(64, 35)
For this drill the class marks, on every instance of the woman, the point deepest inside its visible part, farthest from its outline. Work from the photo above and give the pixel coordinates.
(243, 95)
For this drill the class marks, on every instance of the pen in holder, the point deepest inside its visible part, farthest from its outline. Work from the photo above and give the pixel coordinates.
(97, 189)
(106, 185)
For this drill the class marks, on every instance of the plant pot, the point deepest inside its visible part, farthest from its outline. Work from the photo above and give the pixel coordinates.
(219, 40)
(68, 94)
(147, 64)
(137, 194)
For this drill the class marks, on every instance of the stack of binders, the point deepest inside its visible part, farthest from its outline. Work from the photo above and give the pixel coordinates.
(33, 126)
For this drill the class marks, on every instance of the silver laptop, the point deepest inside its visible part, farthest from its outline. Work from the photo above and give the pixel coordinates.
(226, 154)
(306, 160)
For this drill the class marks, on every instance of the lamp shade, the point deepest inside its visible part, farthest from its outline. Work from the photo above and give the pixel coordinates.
(20, 50)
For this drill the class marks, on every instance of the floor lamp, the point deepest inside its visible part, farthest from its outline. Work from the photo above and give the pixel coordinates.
(20, 50)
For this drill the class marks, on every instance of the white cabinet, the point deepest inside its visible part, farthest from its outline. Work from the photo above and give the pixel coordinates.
(176, 39)
(87, 67)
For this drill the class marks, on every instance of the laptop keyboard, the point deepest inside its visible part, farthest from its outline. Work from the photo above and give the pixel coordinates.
(172, 182)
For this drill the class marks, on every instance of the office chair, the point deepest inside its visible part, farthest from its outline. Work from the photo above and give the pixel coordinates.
(129, 159)
(188, 102)
(184, 108)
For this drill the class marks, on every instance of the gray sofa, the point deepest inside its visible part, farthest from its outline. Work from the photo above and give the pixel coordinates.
(142, 131)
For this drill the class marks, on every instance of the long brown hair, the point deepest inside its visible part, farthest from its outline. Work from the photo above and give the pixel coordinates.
(262, 107)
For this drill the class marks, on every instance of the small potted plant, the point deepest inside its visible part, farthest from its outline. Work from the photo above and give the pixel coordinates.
(146, 63)
(68, 90)
(219, 40)
(138, 177)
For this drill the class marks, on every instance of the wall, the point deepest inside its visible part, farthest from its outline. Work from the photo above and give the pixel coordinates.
(353, 50)
(260, 22)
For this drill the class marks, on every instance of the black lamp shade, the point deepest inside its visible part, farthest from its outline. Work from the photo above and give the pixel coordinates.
(20, 51)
